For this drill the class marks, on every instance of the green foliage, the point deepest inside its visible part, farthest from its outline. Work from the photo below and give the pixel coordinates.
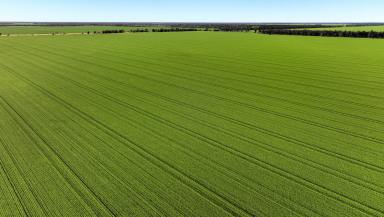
(191, 124)
(354, 28)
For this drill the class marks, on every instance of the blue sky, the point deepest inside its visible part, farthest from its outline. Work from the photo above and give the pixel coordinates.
(193, 10)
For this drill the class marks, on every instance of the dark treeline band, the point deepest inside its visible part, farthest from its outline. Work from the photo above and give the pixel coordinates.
(325, 33)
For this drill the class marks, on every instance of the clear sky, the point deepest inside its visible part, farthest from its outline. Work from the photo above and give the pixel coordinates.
(193, 10)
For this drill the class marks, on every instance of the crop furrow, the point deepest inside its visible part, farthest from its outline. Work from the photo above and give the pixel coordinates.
(305, 182)
(150, 157)
(57, 155)
(354, 134)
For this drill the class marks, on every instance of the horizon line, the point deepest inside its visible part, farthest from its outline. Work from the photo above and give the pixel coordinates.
(192, 22)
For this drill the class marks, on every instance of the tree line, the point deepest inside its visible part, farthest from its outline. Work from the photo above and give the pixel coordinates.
(175, 30)
(325, 33)
(119, 31)
(153, 30)
(113, 31)
(294, 26)
(139, 30)
(244, 27)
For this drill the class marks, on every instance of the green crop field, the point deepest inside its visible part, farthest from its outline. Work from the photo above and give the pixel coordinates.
(60, 29)
(353, 28)
(191, 124)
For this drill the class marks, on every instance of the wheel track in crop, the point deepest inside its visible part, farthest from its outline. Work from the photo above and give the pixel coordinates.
(133, 163)
(4, 104)
(121, 182)
(278, 99)
(24, 209)
(30, 127)
(285, 81)
(318, 96)
(308, 183)
(169, 139)
(355, 116)
(155, 209)
(71, 80)
(236, 102)
(274, 55)
(117, 82)
(241, 62)
(95, 91)
(168, 98)
(244, 74)
(265, 95)
(206, 139)
(369, 138)
(152, 158)
(178, 126)
(77, 176)
(170, 74)
(286, 68)
(162, 136)
(244, 91)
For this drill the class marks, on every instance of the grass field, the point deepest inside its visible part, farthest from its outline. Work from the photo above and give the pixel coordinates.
(60, 29)
(191, 124)
(354, 28)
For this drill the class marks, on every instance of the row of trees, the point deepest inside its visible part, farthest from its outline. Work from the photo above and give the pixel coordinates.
(246, 27)
(112, 31)
(227, 27)
(148, 30)
(175, 30)
(326, 33)
(234, 27)
(118, 31)
(139, 30)
(294, 26)
(243, 27)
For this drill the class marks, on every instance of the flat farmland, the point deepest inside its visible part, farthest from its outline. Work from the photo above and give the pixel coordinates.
(191, 124)
(22, 30)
